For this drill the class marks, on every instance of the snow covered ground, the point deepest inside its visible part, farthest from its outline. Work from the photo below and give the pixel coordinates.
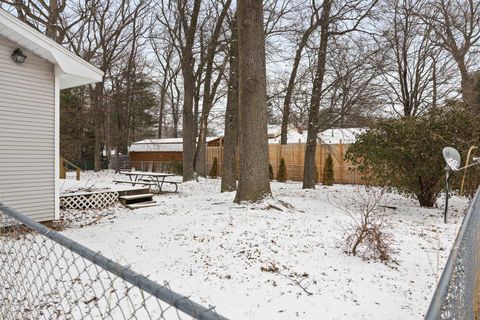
(223, 254)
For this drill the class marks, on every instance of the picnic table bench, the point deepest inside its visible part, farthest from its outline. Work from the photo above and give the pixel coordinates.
(145, 178)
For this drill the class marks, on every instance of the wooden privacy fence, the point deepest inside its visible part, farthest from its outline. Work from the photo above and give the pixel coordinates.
(294, 155)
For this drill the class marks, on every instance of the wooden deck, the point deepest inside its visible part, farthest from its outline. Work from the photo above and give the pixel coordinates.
(87, 195)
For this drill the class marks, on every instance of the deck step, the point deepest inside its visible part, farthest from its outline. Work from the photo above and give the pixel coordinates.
(142, 205)
(136, 199)
(136, 196)
(130, 192)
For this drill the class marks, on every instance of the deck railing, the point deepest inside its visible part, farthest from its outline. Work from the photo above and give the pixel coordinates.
(65, 165)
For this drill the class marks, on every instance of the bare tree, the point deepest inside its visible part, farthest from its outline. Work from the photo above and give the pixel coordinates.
(187, 39)
(409, 52)
(165, 54)
(211, 82)
(345, 19)
(176, 97)
(44, 16)
(103, 38)
(352, 93)
(128, 75)
(254, 181)
(456, 29)
(302, 43)
(313, 117)
(186, 14)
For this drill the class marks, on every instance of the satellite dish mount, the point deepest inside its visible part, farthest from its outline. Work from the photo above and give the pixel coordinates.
(453, 161)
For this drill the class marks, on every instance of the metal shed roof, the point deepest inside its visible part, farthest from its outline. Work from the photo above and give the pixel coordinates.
(71, 70)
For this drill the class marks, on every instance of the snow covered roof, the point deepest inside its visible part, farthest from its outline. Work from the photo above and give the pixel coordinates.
(158, 145)
(71, 70)
(161, 145)
(330, 136)
(293, 136)
(274, 130)
(339, 136)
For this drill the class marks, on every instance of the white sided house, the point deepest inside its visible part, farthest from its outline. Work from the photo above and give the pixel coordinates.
(33, 70)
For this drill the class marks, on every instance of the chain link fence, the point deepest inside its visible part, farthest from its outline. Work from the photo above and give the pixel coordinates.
(45, 275)
(457, 293)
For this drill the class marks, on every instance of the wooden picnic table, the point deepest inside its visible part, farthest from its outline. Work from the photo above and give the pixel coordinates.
(156, 179)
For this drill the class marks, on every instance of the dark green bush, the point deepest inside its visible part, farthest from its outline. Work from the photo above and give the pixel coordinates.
(328, 174)
(406, 153)
(177, 167)
(282, 171)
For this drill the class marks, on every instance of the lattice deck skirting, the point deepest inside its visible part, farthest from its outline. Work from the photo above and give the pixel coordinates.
(89, 201)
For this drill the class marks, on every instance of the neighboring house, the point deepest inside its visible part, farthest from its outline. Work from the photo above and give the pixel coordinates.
(162, 150)
(29, 115)
(171, 149)
(340, 135)
(329, 136)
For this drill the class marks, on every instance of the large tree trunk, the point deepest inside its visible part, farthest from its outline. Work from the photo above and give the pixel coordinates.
(188, 122)
(467, 85)
(313, 120)
(434, 82)
(254, 181)
(51, 29)
(200, 155)
(175, 101)
(456, 24)
(187, 61)
(196, 111)
(229, 168)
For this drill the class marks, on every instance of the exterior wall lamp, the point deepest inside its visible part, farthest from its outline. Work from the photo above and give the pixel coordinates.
(18, 56)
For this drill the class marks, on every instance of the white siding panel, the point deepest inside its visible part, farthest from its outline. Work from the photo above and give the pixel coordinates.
(27, 134)
(40, 112)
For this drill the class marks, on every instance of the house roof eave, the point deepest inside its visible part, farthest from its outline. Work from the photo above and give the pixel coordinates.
(71, 70)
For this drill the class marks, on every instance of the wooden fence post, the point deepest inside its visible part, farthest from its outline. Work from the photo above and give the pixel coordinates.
(319, 168)
(300, 167)
(342, 154)
(222, 152)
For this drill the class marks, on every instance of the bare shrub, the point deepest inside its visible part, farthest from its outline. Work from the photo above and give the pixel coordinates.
(367, 233)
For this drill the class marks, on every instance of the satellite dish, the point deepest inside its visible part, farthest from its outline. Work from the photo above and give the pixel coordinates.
(452, 158)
